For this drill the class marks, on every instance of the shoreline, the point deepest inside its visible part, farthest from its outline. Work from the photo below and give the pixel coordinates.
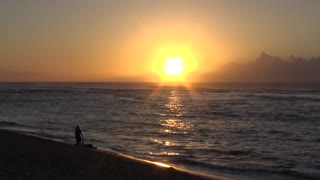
(29, 157)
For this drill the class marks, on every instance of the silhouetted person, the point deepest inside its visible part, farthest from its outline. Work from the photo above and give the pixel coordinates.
(78, 135)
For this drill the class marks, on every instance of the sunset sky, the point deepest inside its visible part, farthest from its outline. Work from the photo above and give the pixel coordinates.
(122, 40)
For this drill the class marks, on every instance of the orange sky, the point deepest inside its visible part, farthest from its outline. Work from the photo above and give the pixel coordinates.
(119, 40)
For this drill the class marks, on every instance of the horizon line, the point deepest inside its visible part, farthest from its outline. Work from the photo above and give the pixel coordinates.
(150, 82)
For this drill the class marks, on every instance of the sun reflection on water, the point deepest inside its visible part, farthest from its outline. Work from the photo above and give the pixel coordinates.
(176, 124)
(174, 103)
(174, 128)
(177, 109)
(163, 142)
(161, 164)
(165, 153)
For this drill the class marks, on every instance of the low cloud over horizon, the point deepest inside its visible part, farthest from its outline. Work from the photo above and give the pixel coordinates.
(267, 68)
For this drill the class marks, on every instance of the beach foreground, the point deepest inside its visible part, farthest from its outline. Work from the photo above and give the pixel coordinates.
(28, 157)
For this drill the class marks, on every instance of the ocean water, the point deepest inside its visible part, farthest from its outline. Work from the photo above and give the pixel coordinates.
(244, 131)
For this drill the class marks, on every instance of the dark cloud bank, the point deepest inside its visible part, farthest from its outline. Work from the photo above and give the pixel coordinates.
(267, 68)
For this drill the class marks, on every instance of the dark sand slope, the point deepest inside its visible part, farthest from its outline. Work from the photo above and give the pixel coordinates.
(27, 157)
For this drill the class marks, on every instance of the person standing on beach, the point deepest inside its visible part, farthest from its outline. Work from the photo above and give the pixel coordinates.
(78, 135)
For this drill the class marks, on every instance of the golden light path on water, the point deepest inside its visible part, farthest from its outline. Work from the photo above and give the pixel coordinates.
(174, 125)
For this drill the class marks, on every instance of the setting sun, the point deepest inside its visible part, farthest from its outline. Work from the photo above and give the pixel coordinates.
(174, 66)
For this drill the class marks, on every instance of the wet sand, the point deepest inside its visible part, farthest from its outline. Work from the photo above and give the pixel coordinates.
(27, 157)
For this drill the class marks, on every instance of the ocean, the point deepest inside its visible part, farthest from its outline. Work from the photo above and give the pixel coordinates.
(242, 131)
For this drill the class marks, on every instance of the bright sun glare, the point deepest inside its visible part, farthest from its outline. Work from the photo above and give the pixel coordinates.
(174, 66)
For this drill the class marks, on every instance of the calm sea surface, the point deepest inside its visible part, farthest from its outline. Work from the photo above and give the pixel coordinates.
(247, 131)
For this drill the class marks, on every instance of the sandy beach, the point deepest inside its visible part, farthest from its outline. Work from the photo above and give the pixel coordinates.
(28, 157)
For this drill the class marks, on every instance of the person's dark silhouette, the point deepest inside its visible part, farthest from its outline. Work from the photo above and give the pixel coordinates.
(78, 135)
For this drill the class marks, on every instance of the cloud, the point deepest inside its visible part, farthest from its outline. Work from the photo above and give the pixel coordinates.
(268, 68)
